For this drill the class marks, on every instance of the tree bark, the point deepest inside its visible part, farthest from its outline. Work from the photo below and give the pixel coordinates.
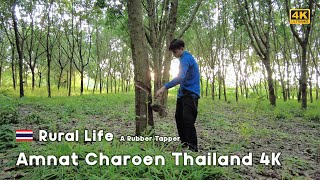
(60, 76)
(72, 46)
(49, 50)
(317, 86)
(13, 67)
(19, 47)
(83, 61)
(168, 55)
(143, 99)
(303, 41)
(100, 80)
(310, 88)
(260, 38)
(1, 63)
(272, 97)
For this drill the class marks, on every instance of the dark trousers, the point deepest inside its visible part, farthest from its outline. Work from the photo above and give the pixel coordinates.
(186, 114)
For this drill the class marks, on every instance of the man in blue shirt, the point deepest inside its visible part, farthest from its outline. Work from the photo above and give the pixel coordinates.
(188, 94)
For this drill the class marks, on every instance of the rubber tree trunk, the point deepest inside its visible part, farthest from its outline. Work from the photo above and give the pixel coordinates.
(18, 45)
(0, 74)
(81, 82)
(304, 77)
(13, 67)
(142, 78)
(272, 97)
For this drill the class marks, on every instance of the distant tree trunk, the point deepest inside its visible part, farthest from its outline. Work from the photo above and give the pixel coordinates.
(245, 78)
(30, 55)
(25, 81)
(224, 90)
(143, 99)
(88, 83)
(119, 84)
(286, 46)
(49, 50)
(272, 97)
(100, 79)
(40, 79)
(84, 58)
(32, 51)
(127, 85)
(310, 92)
(259, 37)
(288, 72)
(19, 47)
(59, 79)
(62, 64)
(70, 76)
(310, 84)
(1, 65)
(224, 45)
(317, 86)
(213, 58)
(122, 85)
(240, 70)
(201, 79)
(260, 86)
(95, 80)
(265, 82)
(303, 76)
(72, 46)
(213, 88)
(316, 67)
(111, 84)
(81, 82)
(12, 47)
(303, 41)
(219, 86)
(235, 68)
(13, 67)
(298, 90)
(74, 80)
(107, 84)
(207, 85)
(1, 73)
(98, 59)
(67, 81)
(115, 84)
(281, 74)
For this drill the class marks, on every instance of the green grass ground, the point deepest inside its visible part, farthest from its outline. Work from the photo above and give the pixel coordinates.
(250, 125)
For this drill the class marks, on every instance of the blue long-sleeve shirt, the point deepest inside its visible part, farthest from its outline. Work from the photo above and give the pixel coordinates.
(188, 77)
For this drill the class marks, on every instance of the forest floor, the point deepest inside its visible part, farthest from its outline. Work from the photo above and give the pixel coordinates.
(250, 125)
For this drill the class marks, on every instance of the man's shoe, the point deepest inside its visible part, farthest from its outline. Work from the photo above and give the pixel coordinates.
(193, 148)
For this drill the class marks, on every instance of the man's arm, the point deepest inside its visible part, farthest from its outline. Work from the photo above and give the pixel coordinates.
(184, 65)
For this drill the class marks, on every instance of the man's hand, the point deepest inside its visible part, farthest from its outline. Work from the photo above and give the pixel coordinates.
(160, 91)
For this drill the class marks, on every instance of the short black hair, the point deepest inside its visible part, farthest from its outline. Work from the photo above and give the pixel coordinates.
(176, 44)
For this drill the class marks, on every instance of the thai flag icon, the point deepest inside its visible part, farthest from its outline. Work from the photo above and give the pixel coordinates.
(24, 135)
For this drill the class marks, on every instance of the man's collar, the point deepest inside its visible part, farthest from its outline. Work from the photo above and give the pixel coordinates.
(184, 52)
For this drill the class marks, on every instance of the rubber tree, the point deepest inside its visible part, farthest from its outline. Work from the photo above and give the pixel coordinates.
(142, 78)
(257, 20)
(160, 31)
(18, 46)
(303, 38)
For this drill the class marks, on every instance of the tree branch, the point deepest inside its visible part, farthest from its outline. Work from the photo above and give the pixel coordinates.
(294, 32)
(188, 24)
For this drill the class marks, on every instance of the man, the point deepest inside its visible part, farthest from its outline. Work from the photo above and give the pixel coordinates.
(188, 94)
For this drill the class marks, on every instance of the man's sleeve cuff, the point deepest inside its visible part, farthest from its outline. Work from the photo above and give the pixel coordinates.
(166, 86)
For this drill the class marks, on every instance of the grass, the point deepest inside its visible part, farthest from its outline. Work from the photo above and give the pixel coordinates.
(251, 125)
